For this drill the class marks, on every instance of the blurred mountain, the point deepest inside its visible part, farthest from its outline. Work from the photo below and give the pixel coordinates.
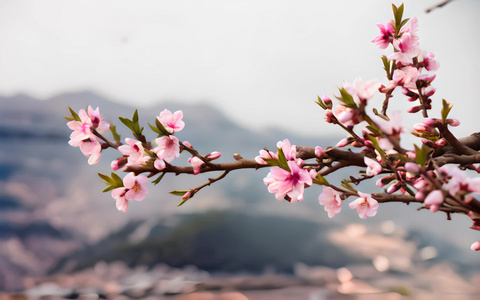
(54, 216)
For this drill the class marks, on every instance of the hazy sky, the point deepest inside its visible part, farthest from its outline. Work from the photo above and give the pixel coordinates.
(261, 62)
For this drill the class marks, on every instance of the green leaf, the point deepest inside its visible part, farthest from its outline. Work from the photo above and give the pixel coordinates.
(107, 179)
(421, 154)
(108, 188)
(347, 185)
(320, 102)
(319, 179)
(398, 16)
(115, 135)
(74, 115)
(404, 22)
(156, 181)
(387, 66)
(156, 130)
(117, 180)
(282, 160)
(127, 123)
(161, 127)
(447, 107)
(178, 193)
(135, 117)
(346, 98)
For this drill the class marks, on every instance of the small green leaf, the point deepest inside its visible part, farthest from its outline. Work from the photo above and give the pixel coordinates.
(387, 66)
(447, 107)
(115, 135)
(74, 115)
(320, 102)
(117, 180)
(156, 130)
(282, 160)
(404, 22)
(107, 179)
(319, 179)
(156, 181)
(161, 127)
(135, 117)
(398, 16)
(178, 193)
(127, 122)
(421, 154)
(108, 188)
(346, 98)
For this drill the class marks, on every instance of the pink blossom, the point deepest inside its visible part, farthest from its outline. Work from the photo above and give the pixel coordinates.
(373, 167)
(433, 200)
(475, 246)
(393, 126)
(92, 149)
(135, 152)
(81, 129)
(430, 63)
(168, 148)
(289, 150)
(264, 155)
(172, 122)
(412, 167)
(197, 164)
(406, 77)
(96, 120)
(411, 27)
(453, 122)
(407, 47)
(346, 115)
(366, 206)
(288, 183)
(331, 201)
(318, 151)
(363, 90)
(136, 186)
(386, 34)
(121, 202)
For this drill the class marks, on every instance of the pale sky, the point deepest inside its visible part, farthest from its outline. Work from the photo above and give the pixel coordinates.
(263, 63)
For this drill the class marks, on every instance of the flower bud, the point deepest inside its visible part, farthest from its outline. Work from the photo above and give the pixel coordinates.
(475, 246)
(440, 143)
(434, 200)
(119, 163)
(214, 155)
(413, 109)
(318, 151)
(453, 122)
(342, 143)
(393, 188)
(412, 167)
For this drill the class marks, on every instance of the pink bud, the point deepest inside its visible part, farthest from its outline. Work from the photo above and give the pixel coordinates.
(187, 144)
(453, 122)
(412, 167)
(411, 154)
(427, 142)
(393, 188)
(440, 142)
(413, 109)
(318, 151)
(379, 183)
(187, 195)
(214, 155)
(342, 143)
(475, 246)
(434, 200)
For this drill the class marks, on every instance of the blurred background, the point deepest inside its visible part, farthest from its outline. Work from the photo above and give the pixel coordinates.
(246, 74)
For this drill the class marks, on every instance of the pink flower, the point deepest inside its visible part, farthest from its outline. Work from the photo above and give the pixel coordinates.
(135, 152)
(264, 154)
(366, 206)
(288, 183)
(196, 164)
(393, 126)
(386, 34)
(433, 200)
(331, 201)
(288, 149)
(373, 167)
(346, 115)
(81, 129)
(121, 202)
(92, 149)
(363, 90)
(168, 148)
(172, 122)
(135, 186)
(430, 63)
(96, 120)
(406, 77)
(407, 47)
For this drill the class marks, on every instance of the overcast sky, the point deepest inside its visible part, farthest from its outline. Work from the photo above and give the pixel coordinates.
(261, 62)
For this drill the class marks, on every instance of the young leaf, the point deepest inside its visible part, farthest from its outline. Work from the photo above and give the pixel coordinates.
(346, 98)
(115, 135)
(282, 160)
(117, 180)
(178, 193)
(74, 115)
(320, 102)
(447, 107)
(319, 179)
(107, 179)
(156, 181)
(421, 154)
(108, 188)
(161, 127)
(398, 16)
(127, 123)
(156, 130)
